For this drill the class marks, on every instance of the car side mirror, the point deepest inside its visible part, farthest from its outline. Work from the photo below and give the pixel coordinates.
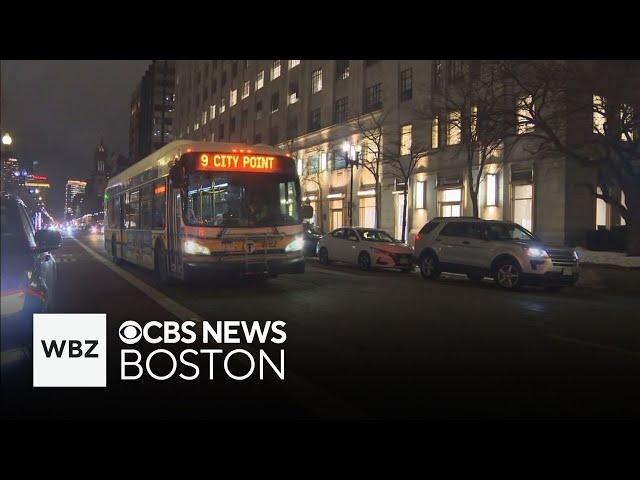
(307, 211)
(47, 240)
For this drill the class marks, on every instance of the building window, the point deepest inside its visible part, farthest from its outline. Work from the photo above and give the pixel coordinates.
(214, 86)
(367, 212)
(196, 126)
(524, 114)
(335, 209)
(492, 190)
(602, 212)
(455, 69)
(257, 138)
(275, 69)
(340, 110)
(221, 132)
(293, 92)
(339, 159)
(273, 135)
(342, 69)
(437, 73)
(234, 69)
(243, 119)
(599, 118)
(316, 80)
(212, 112)
(233, 97)
(245, 89)
(292, 126)
(204, 117)
(313, 164)
(406, 84)
(314, 119)
(259, 110)
(224, 79)
(523, 205)
(450, 201)
(275, 102)
(260, 80)
(454, 128)
(627, 123)
(223, 105)
(232, 125)
(293, 63)
(405, 139)
(373, 97)
(435, 137)
(420, 191)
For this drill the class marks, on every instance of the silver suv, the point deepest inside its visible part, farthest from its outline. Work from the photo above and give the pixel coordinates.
(509, 253)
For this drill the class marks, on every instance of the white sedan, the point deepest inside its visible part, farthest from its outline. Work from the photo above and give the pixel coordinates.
(365, 247)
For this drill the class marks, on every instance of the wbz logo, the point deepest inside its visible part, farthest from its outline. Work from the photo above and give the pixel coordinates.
(69, 350)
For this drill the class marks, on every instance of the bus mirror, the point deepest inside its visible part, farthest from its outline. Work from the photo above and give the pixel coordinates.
(176, 176)
(307, 211)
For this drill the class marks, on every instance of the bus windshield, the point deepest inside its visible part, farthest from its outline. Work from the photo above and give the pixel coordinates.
(221, 199)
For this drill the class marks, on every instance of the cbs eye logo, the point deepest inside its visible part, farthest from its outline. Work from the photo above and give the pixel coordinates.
(130, 332)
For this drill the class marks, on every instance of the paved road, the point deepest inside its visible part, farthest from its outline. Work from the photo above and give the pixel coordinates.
(370, 345)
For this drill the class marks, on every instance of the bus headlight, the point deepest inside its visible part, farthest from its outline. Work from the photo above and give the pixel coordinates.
(191, 247)
(536, 252)
(296, 245)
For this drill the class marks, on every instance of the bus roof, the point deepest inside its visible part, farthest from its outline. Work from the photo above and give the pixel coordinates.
(164, 158)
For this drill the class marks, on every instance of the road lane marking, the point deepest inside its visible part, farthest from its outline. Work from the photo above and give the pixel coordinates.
(307, 393)
(585, 343)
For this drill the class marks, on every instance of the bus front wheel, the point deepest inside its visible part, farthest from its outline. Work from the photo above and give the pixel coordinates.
(114, 251)
(162, 265)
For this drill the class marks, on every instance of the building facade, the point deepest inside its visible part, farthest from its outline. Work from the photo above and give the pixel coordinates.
(72, 189)
(152, 110)
(327, 112)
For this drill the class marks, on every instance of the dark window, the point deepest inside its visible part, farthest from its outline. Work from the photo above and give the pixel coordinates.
(429, 227)
(224, 79)
(259, 110)
(234, 69)
(132, 209)
(340, 110)
(243, 119)
(342, 69)
(455, 69)
(314, 119)
(273, 135)
(215, 65)
(406, 84)
(275, 102)
(373, 97)
(257, 138)
(339, 159)
(437, 73)
(293, 92)
(455, 229)
(292, 126)
(221, 132)
(145, 206)
(159, 203)
(232, 125)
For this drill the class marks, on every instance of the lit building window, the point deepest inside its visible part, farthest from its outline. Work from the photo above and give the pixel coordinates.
(212, 112)
(323, 161)
(434, 132)
(342, 69)
(275, 69)
(405, 139)
(299, 167)
(275, 102)
(316, 80)
(260, 80)
(293, 92)
(335, 210)
(454, 130)
(624, 204)
(602, 211)
(196, 126)
(293, 63)
(367, 212)
(245, 89)
(474, 123)
(204, 117)
(524, 114)
(233, 97)
(523, 205)
(450, 202)
(420, 193)
(599, 118)
(492, 191)
(627, 130)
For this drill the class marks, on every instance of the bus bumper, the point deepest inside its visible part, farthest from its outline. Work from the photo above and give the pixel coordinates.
(270, 267)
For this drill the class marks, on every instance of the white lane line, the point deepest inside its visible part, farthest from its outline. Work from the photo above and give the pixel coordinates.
(594, 345)
(315, 398)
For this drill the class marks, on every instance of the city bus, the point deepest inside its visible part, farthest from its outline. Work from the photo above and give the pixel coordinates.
(205, 207)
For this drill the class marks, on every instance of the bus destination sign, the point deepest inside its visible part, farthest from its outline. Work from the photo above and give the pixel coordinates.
(241, 162)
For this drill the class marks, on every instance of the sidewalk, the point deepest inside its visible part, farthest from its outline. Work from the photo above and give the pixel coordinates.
(619, 259)
(612, 278)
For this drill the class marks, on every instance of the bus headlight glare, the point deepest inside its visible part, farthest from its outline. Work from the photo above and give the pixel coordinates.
(295, 246)
(192, 247)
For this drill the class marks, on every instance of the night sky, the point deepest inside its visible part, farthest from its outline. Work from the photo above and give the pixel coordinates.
(57, 111)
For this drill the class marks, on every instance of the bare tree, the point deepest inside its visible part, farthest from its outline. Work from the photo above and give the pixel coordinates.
(599, 129)
(473, 108)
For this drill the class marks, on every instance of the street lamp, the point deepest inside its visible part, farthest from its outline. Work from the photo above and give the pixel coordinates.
(6, 139)
(351, 157)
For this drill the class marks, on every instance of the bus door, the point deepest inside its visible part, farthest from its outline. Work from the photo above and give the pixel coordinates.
(174, 216)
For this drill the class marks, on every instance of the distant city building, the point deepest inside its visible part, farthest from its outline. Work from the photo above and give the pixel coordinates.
(37, 186)
(97, 181)
(72, 190)
(152, 109)
(11, 173)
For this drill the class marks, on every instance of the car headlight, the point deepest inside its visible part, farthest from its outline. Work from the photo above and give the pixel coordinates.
(295, 246)
(191, 247)
(575, 254)
(536, 252)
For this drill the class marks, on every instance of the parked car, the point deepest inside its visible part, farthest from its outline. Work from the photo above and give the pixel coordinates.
(509, 253)
(365, 247)
(28, 279)
(311, 235)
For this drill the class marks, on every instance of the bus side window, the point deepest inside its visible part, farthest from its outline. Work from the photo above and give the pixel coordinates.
(133, 209)
(145, 206)
(159, 204)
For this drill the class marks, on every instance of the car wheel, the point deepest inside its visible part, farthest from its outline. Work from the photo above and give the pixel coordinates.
(364, 261)
(323, 256)
(508, 274)
(429, 266)
(474, 277)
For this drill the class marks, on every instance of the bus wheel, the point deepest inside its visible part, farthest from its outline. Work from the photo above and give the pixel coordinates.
(161, 265)
(114, 253)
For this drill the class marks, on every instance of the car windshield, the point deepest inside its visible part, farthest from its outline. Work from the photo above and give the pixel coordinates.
(508, 231)
(242, 199)
(375, 235)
